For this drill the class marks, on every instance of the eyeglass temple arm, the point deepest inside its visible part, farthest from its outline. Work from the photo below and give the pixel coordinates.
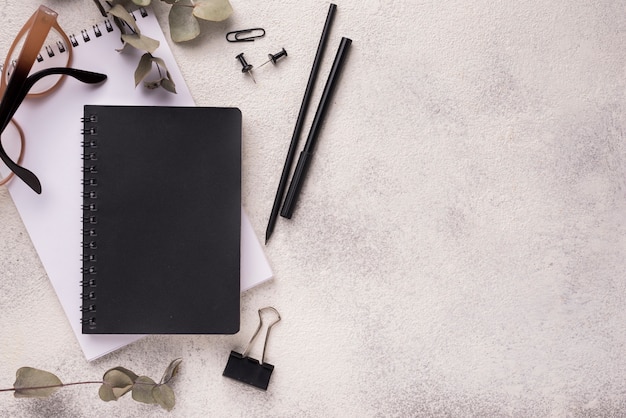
(81, 75)
(84, 76)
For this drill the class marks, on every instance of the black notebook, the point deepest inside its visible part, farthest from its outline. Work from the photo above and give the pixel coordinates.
(161, 220)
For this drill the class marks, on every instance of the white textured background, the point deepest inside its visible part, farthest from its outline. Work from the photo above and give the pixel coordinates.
(459, 248)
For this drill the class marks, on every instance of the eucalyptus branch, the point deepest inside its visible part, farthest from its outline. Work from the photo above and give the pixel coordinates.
(94, 382)
(116, 382)
(184, 15)
(184, 26)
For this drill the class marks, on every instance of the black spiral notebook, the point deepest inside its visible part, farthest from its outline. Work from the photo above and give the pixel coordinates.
(161, 220)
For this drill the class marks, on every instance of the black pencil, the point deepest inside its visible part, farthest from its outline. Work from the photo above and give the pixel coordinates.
(304, 161)
(282, 185)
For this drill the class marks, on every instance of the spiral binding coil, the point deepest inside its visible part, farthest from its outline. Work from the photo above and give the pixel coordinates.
(90, 221)
(51, 50)
(90, 183)
(85, 35)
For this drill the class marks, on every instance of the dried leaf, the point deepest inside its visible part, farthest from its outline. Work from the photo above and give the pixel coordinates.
(167, 79)
(106, 393)
(160, 62)
(215, 10)
(151, 85)
(119, 11)
(41, 382)
(172, 370)
(143, 68)
(141, 42)
(124, 47)
(183, 25)
(164, 396)
(116, 383)
(142, 390)
(168, 85)
(130, 374)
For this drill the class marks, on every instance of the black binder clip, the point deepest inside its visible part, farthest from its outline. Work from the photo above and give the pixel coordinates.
(246, 369)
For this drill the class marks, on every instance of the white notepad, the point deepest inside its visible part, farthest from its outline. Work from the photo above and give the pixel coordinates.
(52, 126)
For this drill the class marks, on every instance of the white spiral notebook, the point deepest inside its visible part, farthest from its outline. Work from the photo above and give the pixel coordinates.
(53, 219)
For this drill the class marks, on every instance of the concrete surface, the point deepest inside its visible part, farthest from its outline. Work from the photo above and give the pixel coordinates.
(460, 245)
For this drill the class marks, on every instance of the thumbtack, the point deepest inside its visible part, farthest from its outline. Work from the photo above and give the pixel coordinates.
(275, 57)
(246, 68)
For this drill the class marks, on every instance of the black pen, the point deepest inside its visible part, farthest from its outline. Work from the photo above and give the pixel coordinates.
(306, 154)
(296, 133)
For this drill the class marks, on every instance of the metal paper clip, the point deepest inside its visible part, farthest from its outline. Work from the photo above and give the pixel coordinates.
(246, 369)
(252, 34)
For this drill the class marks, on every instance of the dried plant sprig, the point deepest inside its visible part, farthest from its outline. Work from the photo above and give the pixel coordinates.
(184, 26)
(184, 15)
(132, 36)
(116, 382)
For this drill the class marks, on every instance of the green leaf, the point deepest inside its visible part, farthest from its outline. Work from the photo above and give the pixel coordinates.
(171, 371)
(142, 390)
(116, 383)
(142, 2)
(141, 42)
(119, 11)
(41, 382)
(143, 68)
(215, 10)
(164, 396)
(183, 25)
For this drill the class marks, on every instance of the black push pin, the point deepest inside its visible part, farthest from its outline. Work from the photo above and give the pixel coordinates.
(245, 67)
(275, 57)
(247, 369)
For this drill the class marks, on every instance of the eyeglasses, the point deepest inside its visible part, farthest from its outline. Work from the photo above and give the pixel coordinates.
(26, 73)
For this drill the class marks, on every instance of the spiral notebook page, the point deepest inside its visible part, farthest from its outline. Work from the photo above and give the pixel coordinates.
(52, 126)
